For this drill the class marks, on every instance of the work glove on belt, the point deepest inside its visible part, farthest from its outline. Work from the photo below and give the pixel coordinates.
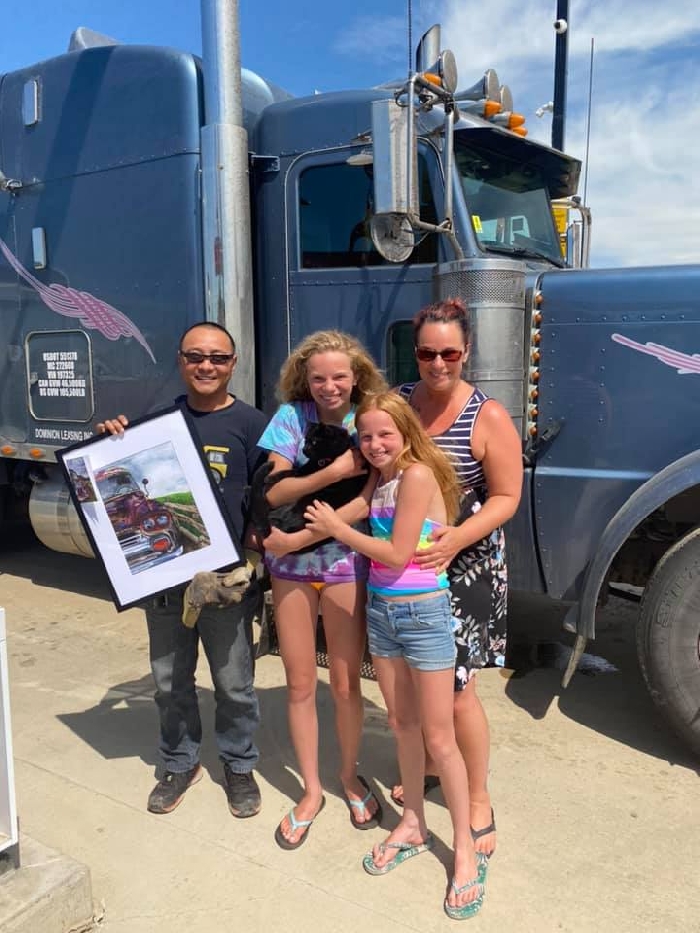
(209, 588)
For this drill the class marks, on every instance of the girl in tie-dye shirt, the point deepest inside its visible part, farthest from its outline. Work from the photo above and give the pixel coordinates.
(323, 379)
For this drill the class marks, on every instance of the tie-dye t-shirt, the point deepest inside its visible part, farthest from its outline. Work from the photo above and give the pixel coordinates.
(328, 563)
(408, 580)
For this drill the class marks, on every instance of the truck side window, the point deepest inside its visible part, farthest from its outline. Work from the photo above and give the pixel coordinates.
(335, 206)
(400, 358)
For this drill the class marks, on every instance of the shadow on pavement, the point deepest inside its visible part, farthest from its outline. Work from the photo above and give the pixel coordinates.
(610, 699)
(124, 724)
(606, 694)
(277, 760)
(22, 555)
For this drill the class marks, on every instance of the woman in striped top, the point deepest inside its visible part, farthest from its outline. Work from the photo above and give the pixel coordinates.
(409, 625)
(479, 435)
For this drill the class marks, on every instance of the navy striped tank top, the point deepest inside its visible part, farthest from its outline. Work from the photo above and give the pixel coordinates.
(456, 441)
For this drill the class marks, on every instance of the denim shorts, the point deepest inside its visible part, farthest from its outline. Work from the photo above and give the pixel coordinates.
(417, 630)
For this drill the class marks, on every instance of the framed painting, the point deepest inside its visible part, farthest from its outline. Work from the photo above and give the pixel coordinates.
(149, 506)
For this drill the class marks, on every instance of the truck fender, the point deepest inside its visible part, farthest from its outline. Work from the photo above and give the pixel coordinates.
(675, 478)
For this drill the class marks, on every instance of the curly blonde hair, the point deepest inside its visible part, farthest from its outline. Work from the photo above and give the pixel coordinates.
(294, 384)
(418, 447)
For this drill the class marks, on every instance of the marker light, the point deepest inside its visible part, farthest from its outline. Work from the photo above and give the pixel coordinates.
(509, 119)
(481, 108)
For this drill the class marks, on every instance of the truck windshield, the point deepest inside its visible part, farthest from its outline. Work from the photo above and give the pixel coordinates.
(116, 484)
(509, 204)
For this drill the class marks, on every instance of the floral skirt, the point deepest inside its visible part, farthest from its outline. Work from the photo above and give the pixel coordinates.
(479, 585)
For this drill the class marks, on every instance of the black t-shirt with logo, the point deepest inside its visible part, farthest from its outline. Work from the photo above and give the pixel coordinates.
(229, 441)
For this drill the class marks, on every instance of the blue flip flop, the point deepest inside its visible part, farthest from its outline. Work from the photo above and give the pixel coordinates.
(465, 911)
(404, 851)
(296, 824)
(360, 805)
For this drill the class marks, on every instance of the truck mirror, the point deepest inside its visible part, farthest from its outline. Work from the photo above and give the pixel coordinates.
(391, 155)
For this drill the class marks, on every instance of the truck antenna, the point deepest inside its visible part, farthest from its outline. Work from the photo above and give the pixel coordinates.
(588, 122)
(410, 37)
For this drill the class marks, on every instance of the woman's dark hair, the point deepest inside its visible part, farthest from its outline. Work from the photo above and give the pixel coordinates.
(449, 311)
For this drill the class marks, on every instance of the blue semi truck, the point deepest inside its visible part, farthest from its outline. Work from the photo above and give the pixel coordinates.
(354, 209)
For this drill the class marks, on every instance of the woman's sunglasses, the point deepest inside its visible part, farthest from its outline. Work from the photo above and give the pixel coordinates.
(427, 356)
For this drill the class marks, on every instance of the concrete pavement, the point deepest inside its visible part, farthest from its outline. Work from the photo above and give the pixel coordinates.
(594, 830)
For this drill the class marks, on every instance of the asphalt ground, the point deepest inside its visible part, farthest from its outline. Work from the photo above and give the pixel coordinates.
(596, 803)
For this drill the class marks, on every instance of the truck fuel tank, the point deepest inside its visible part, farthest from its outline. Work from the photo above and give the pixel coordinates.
(54, 519)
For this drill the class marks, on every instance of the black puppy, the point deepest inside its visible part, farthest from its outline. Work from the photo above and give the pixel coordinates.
(322, 444)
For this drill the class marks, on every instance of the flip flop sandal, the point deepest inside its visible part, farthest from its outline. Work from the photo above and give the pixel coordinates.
(465, 911)
(359, 805)
(478, 833)
(296, 824)
(404, 851)
(430, 782)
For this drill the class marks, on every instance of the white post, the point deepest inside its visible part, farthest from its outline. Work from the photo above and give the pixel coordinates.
(9, 833)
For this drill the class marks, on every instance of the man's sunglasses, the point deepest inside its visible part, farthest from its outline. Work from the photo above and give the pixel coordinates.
(427, 356)
(216, 359)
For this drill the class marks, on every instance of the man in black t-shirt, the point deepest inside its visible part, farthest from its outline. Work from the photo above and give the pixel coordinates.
(228, 429)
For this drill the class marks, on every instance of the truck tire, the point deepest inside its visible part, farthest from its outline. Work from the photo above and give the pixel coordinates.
(668, 638)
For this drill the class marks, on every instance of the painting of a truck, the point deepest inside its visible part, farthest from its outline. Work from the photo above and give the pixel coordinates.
(146, 529)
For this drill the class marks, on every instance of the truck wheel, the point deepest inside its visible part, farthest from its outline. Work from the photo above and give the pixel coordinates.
(668, 638)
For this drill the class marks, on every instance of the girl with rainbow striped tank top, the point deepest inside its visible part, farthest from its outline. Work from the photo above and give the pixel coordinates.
(409, 624)
(408, 580)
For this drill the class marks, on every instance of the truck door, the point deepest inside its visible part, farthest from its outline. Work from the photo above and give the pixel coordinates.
(336, 277)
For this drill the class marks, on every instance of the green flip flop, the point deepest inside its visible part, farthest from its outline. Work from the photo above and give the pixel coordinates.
(296, 824)
(404, 851)
(465, 911)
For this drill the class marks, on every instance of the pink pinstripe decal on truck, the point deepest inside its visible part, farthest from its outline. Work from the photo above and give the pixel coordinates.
(681, 362)
(92, 313)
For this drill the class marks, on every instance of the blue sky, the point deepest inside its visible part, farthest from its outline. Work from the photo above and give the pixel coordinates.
(642, 184)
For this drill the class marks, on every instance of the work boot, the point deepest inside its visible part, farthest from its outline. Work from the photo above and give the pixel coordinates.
(170, 790)
(242, 792)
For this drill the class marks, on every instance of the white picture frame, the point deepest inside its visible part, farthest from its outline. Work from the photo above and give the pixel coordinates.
(149, 506)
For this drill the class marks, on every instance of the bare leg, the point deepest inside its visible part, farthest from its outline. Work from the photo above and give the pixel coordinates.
(296, 611)
(389, 692)
(473, 738)
(436, 705)
(343, 610)
(394, 674)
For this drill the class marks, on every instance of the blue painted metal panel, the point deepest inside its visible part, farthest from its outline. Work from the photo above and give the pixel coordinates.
(524, 570)
(101, 108)
(619, 368)
(117, 196)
